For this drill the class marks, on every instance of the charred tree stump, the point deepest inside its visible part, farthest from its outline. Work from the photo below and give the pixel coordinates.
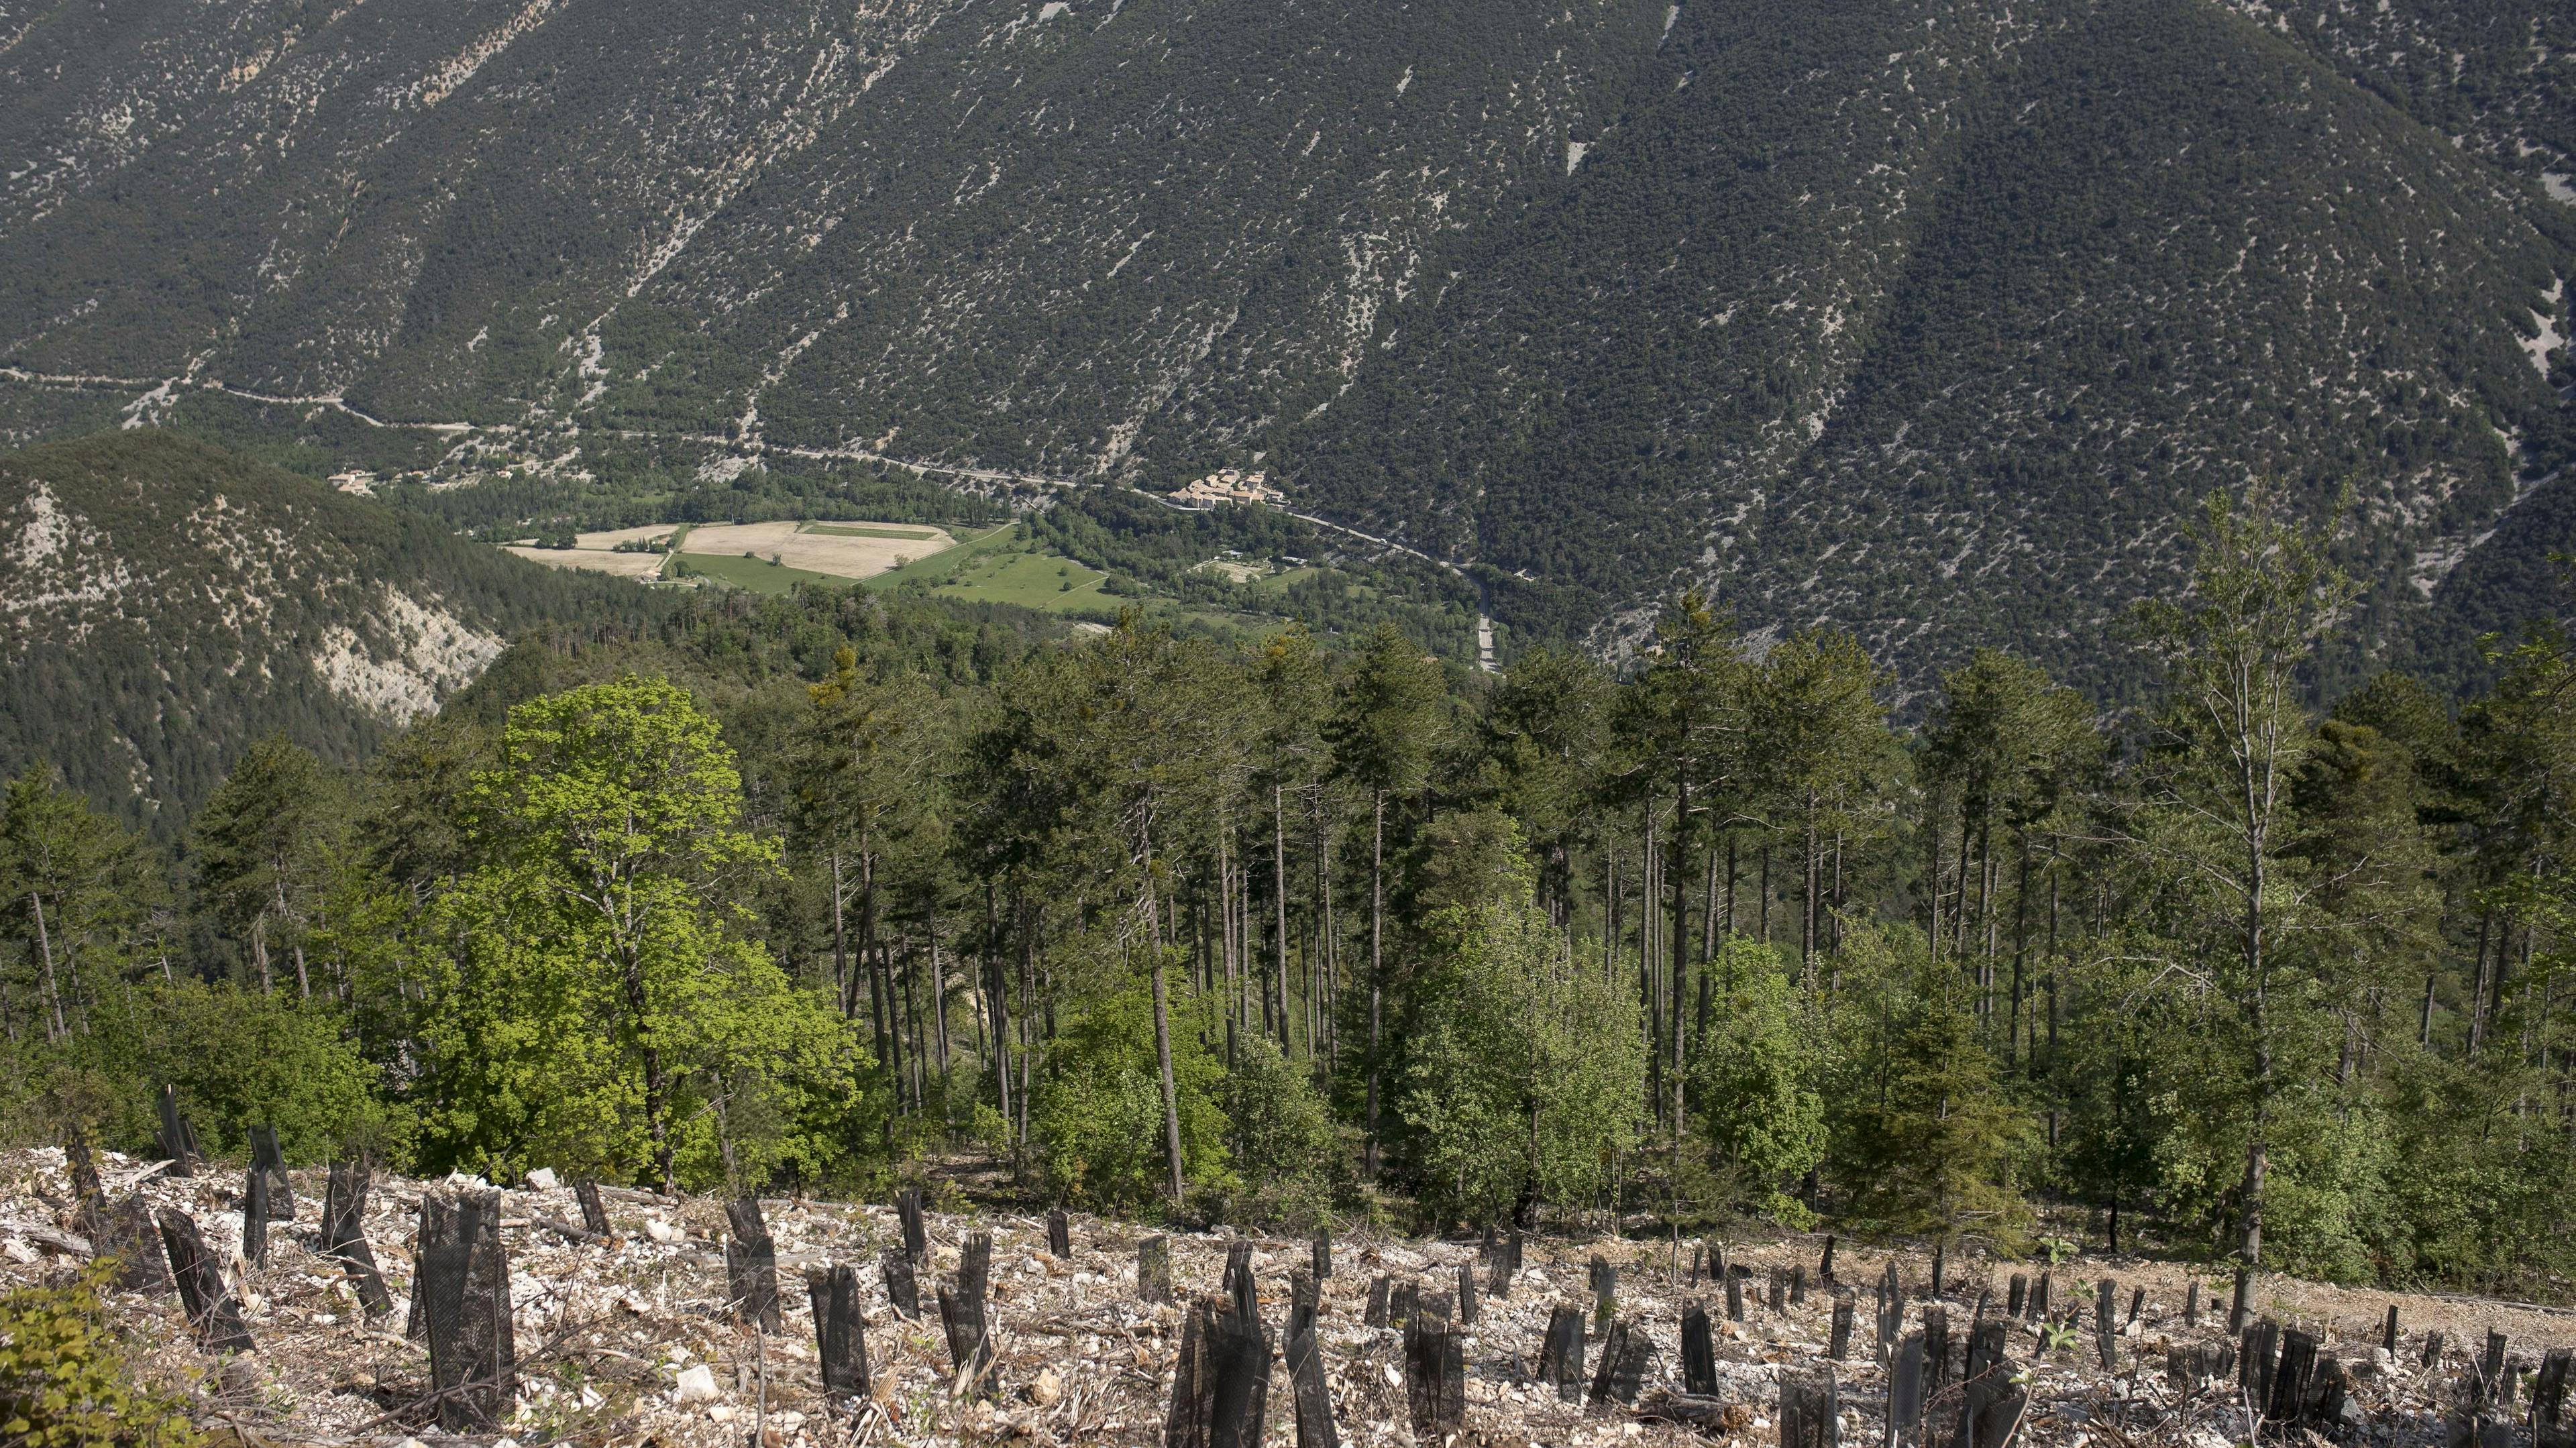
(1808, 1415)
(1468, 1310)
(1841, 1343)
(1435, 1379)
(1221, 1389)
(1825, 1268)
(2106, 1324)
(916, 1231)
(1560, 1357)
(178, 1142)
(1313, 1394)
(254, 1242)
(902, 1284)
(1936, 1349)
(840, 1333)
(266, 1157)
(1305, 1302)
(1940, 1262)
(344, 1237)
(1154, 1269)
(962, 1319)
(1699, 1352)
(1381, 1290)
(209, 1303)
(1906, 1390)
(1779, 1301)
(2292, 1379)
(465, 1286)
(1605, 1288)
(1627, 1355)
(2039, 1296)
(2240, 1309)
(1797, 1284)
(751, 1266)
(2258, 1354)
(594, 1214)
(1734, 1295)
(2388, 1332)
(2016, 1294)
(1323, 1256)
(1241, 1291)
(1060, 1235)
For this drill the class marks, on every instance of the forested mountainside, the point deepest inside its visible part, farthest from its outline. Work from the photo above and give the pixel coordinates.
(166, 604)
(1927, 319)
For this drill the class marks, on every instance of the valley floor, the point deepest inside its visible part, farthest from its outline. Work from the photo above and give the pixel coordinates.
(607, 1331)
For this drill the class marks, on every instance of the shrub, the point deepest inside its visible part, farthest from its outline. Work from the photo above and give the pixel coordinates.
(66, 1379)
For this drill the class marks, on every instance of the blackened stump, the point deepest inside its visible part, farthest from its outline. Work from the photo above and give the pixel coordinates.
(1560, 1358)
(1808, 1415)
(1060, 1234)
(751, 1266)
(209, 1303)
(594, 1214)
(1699, 1351)
(903, 1286)
(1313, 1393)
(840, 1333)
(1154, 1269)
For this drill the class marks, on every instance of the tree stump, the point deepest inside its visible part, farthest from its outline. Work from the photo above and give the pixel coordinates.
(266, 1157)
(2106, 1324)
(2240, 1310)
(1798, 1284)
(1604, 1281)
(1809, 1417)
(465, 1284)
(1699, 1352)
(178, 1141)
(2039, 1296)
(344, 1237)
(1313, 1393)
(1907, 1389)
(1560, 1358)
(962, 1319)
(1154, 1269)
(1468, 1310)
(594, 1214)
(2258, 1356)
(1843, 1312)
(903, 1287)
(1305, 1301)
(1435, 1379)
(1940, 1260)
(1936, 1349)
(1779, 1290)
(916, 1231)
(209, 1304)
(2388, 1333)
(1627, 1355)
(1734, 1296)
(1825, 1268)
(1241, 1291)
(1991, 1411)
(1060, 1235)
(840, 1333)
(1221, 1388)
(1323, 1250)
(1381, 1291)
(254, 1242)
(2016, 1294)
(751, 1266)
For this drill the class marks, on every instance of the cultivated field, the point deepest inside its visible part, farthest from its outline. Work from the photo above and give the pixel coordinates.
(849, 550)
(597, 560)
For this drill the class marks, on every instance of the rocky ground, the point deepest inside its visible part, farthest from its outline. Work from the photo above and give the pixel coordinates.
(629, 1341)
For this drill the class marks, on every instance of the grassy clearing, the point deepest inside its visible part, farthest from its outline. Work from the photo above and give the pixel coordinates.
(936, 568)
(757, 574)
(860, 530)
(1032, 580)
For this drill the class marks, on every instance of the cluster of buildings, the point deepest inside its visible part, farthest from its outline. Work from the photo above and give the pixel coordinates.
(1228, 485)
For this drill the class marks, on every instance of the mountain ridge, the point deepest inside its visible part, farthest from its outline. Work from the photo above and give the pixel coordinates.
(1913, 318)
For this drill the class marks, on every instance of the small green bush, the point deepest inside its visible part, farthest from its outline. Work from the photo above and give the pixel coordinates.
(66, 1378)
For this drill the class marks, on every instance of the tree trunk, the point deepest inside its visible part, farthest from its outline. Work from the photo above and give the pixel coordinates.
(45, 948)
(1162, 1031)
(1279, 899)
(1377, 969)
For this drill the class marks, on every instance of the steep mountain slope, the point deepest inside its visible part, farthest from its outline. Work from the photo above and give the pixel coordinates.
(1925, 318)
(164, 603)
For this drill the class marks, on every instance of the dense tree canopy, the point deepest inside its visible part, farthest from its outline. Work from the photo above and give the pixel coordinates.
(816, 888)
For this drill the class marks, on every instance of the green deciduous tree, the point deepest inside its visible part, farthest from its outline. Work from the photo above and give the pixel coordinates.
(1526, 1083)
